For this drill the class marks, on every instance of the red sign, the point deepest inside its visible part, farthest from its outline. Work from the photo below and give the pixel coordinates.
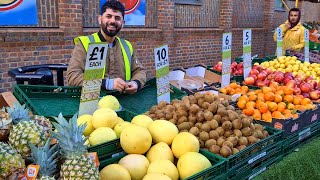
(9, 4)
(278, 125)
(130, 5)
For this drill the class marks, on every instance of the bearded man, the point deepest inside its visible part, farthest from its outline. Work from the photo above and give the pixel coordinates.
(292, 32)
(123, 71)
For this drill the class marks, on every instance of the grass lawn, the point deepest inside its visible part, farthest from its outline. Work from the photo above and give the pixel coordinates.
(303, 164)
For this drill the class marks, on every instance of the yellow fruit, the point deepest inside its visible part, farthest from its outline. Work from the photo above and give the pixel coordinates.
(163, 131)
(136, 164)
(160, 151)
(184, 142)
(104, 117)
(109, 101)
(102, 135)
(86, 118)
(135, 139)
(156, 176)
(142, 120)
(114, 172)
(164, 166)
(191, 163)
(119, 127)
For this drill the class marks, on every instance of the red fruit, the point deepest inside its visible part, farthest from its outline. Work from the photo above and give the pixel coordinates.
(259, 68)
(314, 95)
(271, 76)
(288, 74)
(249, 81)
(296, 90)
(254, 76)
(305, 87)
(308, 78)
(291, 83)
(260, 83)
(313, 83)
(279, 77)
(262, 75)
(287, 79)
(267, 82)
(306, 95)
(254, 71)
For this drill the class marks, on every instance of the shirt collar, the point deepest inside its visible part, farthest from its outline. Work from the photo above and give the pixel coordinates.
(104, 39)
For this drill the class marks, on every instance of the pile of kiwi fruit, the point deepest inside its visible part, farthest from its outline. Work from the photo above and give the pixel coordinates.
(220, 128)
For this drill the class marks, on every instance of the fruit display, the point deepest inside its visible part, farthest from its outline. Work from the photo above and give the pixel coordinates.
(313, 57)
(217, 125)
(235, 69)
(234, 88)
(273, 102)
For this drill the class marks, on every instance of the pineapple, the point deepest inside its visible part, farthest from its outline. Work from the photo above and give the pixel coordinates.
(5, 125)
(24, 130)
(46, 158)
(11, 162)
(76, 165)
(44, 124)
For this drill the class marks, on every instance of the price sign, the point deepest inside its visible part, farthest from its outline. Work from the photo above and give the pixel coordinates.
(279, 42)
(226, 58)
(92, 78)
(161, 58)
(247, 38)
(306, 45)
(32, 172)
(94, 157)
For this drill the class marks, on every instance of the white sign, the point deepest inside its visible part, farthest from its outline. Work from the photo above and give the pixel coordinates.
(247, 61)
(92, 78)
(161, 58)
(279, 42)
(226, 58)
(306, 45)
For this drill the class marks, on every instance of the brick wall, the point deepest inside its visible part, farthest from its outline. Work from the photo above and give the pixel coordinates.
(190, 42)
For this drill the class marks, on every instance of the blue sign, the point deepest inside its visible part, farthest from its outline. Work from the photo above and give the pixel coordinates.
(18, 12)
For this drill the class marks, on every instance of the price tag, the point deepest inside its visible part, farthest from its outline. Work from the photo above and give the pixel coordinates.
(226, 58)
(94, 157)
(306, 45)
(161, 58)
(247, 39)
(279, 42)
(92, 78)
(32, 172)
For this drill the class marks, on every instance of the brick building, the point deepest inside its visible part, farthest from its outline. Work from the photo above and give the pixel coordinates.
(193, 32)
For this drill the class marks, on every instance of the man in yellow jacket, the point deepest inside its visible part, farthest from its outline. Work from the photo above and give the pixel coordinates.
(292, 32)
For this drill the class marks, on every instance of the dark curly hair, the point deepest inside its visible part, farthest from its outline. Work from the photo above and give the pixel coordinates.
(113, 4)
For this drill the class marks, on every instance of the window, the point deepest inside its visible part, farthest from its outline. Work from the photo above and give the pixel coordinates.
(192, 2)
(279, 6)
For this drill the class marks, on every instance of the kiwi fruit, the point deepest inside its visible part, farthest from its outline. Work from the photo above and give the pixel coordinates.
(243, 141)
(221, 111)
(220, 131)
(185, 99)
(162, 104)
(213, 124)
(228, 143)
(242, 116)
(208, 98)
(201, 144)
(224, 118)
(208, 115)
(237, 124)
(217, 118)
(227, 133)
(265, 133)
(252, 126)
(195, 131)
(184, 130)
(152, 116)
(192, 118)
(204, 136)
(235, 150)
(175, 116)
(198, 125)
(153, 109)
(176, 105)
(260, 134)
(245, 122)
(205, 105)
(213, 108)
(182, 119)
(227, 125)
(213, 134)
(241, 147)
(255, 134)
(230, 108)
(205, 127)
(214, 149)
(220, 141)
(200, 116)
(259, 127)
(159, 115)
(198, 95)
(170, 108)
(246, 132)
(182, 112)
(194, 108)
(225, 103)
(237, 132)
(225, 151)
(232, 115)
(168, 115)
(173, 121)
(191, 124)
(234, 140)
(184, 125)
(200, 102)
(252, 139)
(183, 107)
(209, 143)
(192, 99)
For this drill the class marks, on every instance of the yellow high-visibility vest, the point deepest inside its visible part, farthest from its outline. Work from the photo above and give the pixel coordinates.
(126, 49)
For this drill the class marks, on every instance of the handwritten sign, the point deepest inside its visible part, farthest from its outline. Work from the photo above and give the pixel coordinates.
(279, 42)
(161, 58)
(226, 58)
(92, 78)
(247, 39)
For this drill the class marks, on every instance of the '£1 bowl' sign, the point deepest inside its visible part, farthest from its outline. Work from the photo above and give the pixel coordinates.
(9, 4)
(130, 5)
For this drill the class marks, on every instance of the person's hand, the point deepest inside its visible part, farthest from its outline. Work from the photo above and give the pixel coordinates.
(119, 84)
(288, 25)
(132, 87)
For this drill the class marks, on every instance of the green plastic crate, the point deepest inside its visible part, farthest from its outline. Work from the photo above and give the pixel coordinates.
(255, 153)
(49, 101)
(214, 71)
(217, 171)
(238, 79)
(314, 46)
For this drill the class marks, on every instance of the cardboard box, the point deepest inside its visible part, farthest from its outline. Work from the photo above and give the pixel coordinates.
(201, 74)
(7, 99)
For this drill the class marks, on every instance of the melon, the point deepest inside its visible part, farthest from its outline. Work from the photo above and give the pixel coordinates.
(163, 131)
(136, 164)
(104, 117)
(135, 139)
(114, 172)
(184, 142)
(109, 101)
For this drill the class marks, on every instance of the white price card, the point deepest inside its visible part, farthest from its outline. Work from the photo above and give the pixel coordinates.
(92, 77)
(161, 58)
(226, 58)
(279, 42)
(306, 45)
(247, 40)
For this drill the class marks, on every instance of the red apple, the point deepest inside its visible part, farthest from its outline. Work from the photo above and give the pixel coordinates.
(287, 79)
(259, 68)
(254, 76)
(288, 74)
(268, 71)
(249, 81)
(262, 75)
(271, 76)
(305, 87)
(254, 71)
(260, 83)
(308, 78)
(296, 90)
(314, 95)
(291, 83)
(306, 95)
(279, 77)
(313, 83)
(267, 82)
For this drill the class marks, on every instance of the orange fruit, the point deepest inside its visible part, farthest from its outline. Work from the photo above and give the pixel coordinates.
(280, 92)
(241, 104)
(274, 85)
(232, 91)
(266, 89)
(269, 96)
(248, 111)
(288, 115)
(260, 96)
(288, 98)
(291, 106)
(263, 107)
(253, 97)
(245, 88)
(278, 115)
(251, 93)
(300, 108)
(234, 85)
(272, 106)
(295, 116)
(297, 101)
(267, 116)
(256, 114)
(309, 106)
(281, 106)
(305, 101)
(277, 98)
(258, 91)
(251, 104)
(223, 90)
(288, 90)
(244, 97)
